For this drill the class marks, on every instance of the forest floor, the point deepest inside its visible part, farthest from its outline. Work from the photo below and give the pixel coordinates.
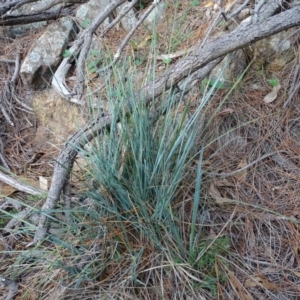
(257, 208)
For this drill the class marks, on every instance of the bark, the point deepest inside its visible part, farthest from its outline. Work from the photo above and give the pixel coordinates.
(241, 37)
(35, 17)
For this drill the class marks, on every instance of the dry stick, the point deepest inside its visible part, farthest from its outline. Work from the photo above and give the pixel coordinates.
(258, 6)
(34, 17)
(80, 69)
(293, 89)
(2, 158)
(6, 115)
(50, 3)
(237, 39)
(214, 24)
(18, 218)
(129, 35)
(242, 36)
(17, 70)
(20, 186)
(88, 35)
(9, 61)
(240, 8)
(118, 18)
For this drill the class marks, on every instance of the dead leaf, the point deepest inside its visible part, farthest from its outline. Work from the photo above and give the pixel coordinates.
(209, 4)
(216, 195)
(242, 175)
(226, 111)
(6, 190)
(261, 281)
(43, 183)
(297, 274)
(228, 6)
(213, 191)
(270, 97)
(143, 43)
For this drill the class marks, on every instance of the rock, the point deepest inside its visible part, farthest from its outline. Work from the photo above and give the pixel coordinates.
(87, 12)
(57, 118)
(157, 14)
(273, 53)
(46, 53)
(130, 20)
(22, 30)
(235, 67)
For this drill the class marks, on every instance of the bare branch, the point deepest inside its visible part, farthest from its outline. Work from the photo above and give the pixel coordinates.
(46, 4)
(58, 81)
(129, 35)
(32, 18)
(20, 186)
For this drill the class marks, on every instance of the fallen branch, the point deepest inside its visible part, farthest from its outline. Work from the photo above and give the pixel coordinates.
(20, 186)
(33, 18)
(58, 81)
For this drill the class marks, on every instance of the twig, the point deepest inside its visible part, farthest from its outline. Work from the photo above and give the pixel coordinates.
(8, 61)
(17, 218)
(34, 17)
(6, 115)
(17, 70)
(80, 70)
(128, 37)
(293, 89)
(258, 6)
(13, 287)
(20, 186)
(118, 18)
(2, 158)
(48, 4)
(240, 8)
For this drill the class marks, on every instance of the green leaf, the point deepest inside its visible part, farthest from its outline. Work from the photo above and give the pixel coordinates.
(66, 53)
(167, 60)
(85, 23)
(218, 84)
(95, 52)
(273, 82)
(195, 3)
(139, 61)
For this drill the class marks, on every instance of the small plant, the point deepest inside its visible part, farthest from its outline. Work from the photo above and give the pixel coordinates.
(93, 60)
(167, 60)
(273, 82)
(195, 3)
(217, 83)
(207, 263)
(66, 53)
(86, 23)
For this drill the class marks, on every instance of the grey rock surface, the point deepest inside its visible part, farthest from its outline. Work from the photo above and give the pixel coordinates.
(46, 53)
